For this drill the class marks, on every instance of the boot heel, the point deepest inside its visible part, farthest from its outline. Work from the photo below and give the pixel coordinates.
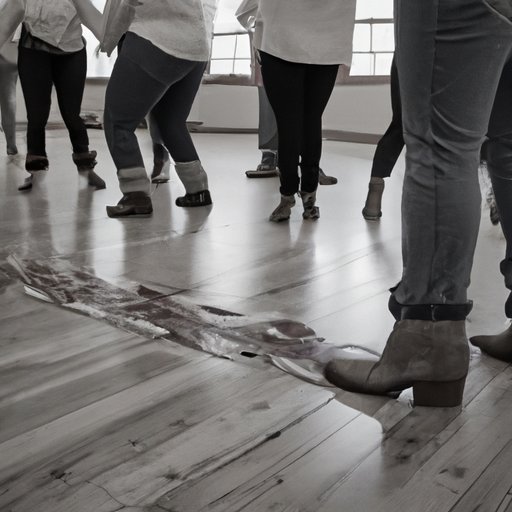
(438, 394)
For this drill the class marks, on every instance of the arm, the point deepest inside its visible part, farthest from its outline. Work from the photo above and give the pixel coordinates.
(90, 16)
(246, 13)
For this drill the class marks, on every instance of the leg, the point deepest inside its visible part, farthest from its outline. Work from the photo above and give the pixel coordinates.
(267, 139)
(439, 45)
(170, 115)
(284, 84)
(35, 74)
(8, 79)
(161, 160)
(499, 164)
(388, 150)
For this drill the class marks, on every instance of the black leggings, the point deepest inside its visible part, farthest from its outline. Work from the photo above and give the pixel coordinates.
(392, 142)
(39, 71)
(298, 94)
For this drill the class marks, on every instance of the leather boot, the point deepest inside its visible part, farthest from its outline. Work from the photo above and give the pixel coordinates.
(498, 345)
(308, 202)
(283, 210)
(132, 204)
(372, 207)
(431, 357)
(323, 179)
(195, 181)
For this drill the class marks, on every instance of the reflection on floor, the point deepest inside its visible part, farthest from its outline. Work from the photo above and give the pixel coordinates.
(95, 417)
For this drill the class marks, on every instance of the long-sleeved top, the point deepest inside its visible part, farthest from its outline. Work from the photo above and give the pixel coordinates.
(306, 31)
(180, 28)
(55, 22)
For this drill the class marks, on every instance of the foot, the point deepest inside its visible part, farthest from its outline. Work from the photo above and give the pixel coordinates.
(161, 171)
(95, 181)
(85, 161)
(263, 171)
(498, 345)
(283, 210)
(201, 198)
(372, 207)
(27, 184)
(323, 179)
(12, 150)
(431, 357)
(311, 211)
(132, 204)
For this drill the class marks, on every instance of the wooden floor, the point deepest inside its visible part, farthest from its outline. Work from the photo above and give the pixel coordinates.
(98, 419)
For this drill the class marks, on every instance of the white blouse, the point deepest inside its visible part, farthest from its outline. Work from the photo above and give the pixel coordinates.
(307, 31)
(183, 29)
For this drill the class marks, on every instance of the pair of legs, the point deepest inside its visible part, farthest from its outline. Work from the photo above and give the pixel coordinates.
(387, 152)
(8, 79)
(39, 71)
(146, 79)
(298, 94)
(446, 112)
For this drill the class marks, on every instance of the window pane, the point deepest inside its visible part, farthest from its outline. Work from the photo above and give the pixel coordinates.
(383, 39)
(223, 47)
(243, 67)
(243, 47)
(362, 64)
(383, 63)
(362, 37)
(366, 9)
(221, 67)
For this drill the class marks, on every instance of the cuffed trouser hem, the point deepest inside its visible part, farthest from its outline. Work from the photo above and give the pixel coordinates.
(133, 179)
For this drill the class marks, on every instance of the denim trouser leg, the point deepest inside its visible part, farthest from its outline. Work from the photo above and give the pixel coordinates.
(499, 162)
(450, 54)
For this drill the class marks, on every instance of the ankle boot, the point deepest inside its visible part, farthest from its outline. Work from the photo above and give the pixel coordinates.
(308, 202)
(36, 163)
(161, 170)
(85, 161)
(195, 181)
(132, 204)
(283, 210)
(431, 357)
(372, 207)
(498, 345)
(323, 179)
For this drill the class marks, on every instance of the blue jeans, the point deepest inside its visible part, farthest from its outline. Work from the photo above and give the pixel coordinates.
(450, 58)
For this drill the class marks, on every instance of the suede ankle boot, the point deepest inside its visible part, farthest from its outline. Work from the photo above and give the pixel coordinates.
(372, 208)
(323, 179)
(311, 211)
(283, 209)
(431, 357)
(85, 161)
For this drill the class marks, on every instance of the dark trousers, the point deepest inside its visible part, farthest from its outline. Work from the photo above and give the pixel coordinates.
(39, 71)
(298, 94)
(392, 142)
(146, 79)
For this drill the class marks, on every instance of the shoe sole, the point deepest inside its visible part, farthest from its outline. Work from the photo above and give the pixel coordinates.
(261, 174)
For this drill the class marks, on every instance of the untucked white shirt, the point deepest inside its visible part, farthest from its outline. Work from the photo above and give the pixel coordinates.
(55, 22)
(307, 31)
(182, 28)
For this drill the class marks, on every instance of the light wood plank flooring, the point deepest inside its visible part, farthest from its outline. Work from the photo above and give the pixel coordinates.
(98, 419)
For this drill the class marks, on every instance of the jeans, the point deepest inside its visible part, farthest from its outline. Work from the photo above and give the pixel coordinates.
(8, 79)
(146, 79)
(39, 71)
(450, 57)
(298, 94)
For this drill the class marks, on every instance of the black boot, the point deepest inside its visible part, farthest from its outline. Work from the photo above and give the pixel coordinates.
(86, 162)
(132, 204)
(201, 198)
(36, 163)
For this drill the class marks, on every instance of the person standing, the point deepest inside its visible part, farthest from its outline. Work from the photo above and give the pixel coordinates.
(301, 46)
(446, 109)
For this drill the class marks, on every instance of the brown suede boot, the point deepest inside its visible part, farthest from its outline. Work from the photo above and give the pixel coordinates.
(372, 207)
(431, 357)
(498, 345)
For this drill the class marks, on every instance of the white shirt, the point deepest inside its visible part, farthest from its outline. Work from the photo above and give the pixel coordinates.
(55, 22)
(181, 28)
(307, 31)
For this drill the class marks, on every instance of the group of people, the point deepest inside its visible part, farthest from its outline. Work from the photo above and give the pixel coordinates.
(453, 64)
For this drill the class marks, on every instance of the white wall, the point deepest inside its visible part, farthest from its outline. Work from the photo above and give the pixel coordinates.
(352, 108)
